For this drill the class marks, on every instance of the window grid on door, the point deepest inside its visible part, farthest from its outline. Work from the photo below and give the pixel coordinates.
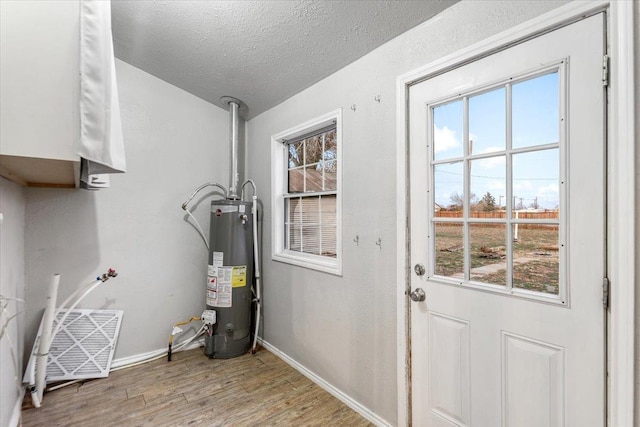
(515, 244)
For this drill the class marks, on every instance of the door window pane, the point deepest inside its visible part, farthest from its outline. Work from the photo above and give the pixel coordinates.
(488, 257)
(448, 184)
(449, 250)
(473, 184)
(535, 111)
(536, 262)
(447, 130)
(487, 122)
(487, 183)
(536, 180)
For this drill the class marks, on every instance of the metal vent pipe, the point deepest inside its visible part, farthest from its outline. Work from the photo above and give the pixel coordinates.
(233, 132)
(235, 108)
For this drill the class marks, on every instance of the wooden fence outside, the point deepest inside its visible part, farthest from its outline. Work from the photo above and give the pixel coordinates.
(501, 214)
(548, 214)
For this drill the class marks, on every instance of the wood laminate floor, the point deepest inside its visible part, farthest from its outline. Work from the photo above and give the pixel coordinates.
(256, 390)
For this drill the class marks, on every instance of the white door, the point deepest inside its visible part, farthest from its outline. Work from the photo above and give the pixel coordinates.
(507, 188)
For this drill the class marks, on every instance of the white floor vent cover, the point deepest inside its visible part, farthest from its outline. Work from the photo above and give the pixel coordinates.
(84, 346)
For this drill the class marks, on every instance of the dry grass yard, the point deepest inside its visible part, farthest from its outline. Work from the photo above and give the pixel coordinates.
(535, 255)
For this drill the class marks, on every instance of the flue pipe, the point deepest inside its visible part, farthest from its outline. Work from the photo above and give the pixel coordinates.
(233, 132)
(236, 109)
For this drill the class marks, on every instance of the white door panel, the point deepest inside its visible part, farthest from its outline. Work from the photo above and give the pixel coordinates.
(496, 342)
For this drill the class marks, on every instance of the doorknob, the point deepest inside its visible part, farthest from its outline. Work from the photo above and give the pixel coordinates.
(418, 295)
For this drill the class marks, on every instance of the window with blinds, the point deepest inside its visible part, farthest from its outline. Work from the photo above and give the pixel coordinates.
(306, 194)
(310, 200)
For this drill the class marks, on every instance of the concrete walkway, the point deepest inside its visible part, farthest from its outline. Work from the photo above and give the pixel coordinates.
(493, 268)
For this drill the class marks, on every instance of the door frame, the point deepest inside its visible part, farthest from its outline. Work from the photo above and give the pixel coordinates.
(620, 263)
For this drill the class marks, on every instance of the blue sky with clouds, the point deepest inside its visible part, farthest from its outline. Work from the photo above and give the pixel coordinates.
(535, 121)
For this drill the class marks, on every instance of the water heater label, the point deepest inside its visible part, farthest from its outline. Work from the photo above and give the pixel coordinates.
(212, 283)
(218, 259)
(219, 289)
(212, 298)
(239, 276)
(224, 275)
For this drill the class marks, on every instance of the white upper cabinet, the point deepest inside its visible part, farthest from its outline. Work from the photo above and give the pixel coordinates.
(40, 91)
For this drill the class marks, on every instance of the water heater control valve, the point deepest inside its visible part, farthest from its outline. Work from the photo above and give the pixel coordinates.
(209, 317)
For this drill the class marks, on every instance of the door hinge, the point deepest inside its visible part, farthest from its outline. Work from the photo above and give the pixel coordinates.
(605, 70)
(605, 292)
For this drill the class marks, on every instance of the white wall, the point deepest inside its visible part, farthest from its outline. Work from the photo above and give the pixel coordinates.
(637, 223)
(174, 142)
(12, 283)
(344, 328)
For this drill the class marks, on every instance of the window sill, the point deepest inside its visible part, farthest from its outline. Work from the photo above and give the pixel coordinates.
(312, 262)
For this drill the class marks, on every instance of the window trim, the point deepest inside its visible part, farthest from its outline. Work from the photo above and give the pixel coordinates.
(278, 191)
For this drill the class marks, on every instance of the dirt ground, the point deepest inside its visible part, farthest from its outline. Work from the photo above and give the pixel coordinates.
(535, 255)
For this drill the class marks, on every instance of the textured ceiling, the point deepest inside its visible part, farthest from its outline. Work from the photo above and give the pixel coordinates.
(261, 52)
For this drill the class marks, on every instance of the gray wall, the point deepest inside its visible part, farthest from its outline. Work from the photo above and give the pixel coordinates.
(12, 284)
(344, 328)
(174, 142)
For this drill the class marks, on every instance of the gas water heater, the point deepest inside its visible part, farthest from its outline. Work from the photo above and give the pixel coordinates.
(233, 274)
(229, 278)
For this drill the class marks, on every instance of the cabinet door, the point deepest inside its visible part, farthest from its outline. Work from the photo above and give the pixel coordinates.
(39, 91)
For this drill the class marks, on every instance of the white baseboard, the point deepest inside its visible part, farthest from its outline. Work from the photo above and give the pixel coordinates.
(347, 400)
(138, 358)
